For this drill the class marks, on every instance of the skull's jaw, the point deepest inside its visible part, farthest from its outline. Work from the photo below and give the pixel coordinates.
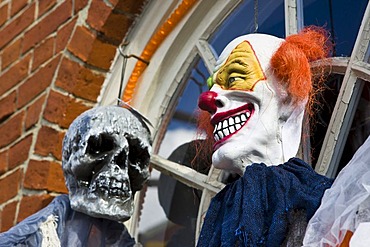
(107, 195)
(102, 206)
(227, 124)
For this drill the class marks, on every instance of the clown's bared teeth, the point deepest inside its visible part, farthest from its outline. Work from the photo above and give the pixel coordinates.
(230, 125)
(231, 121)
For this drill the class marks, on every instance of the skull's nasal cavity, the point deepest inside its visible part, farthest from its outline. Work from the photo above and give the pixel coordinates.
(100, 145)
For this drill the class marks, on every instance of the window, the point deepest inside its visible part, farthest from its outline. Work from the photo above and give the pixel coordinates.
(167, 94)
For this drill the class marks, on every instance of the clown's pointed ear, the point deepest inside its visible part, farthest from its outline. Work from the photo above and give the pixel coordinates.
(292, 129)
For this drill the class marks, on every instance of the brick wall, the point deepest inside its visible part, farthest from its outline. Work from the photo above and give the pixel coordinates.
(54, 56)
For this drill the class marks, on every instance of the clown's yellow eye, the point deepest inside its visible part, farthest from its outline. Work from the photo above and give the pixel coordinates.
(232, 79)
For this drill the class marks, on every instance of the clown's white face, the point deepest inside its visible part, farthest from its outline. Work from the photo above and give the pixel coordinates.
(253, 119)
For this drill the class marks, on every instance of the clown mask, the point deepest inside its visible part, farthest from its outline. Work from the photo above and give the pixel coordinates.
(254, 119)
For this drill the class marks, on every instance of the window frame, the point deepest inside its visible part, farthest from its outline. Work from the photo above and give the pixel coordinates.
(162, 83)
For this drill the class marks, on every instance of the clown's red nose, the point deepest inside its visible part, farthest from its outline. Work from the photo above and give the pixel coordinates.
(207, 101)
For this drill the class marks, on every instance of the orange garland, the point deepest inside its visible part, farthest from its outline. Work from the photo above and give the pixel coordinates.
(153, 44)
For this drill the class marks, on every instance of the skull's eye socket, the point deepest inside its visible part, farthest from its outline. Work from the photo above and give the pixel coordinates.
(137, 154)
(99, 145)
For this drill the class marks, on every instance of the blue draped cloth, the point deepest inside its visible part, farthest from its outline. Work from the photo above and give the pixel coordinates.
(255, 209)
(73, 228)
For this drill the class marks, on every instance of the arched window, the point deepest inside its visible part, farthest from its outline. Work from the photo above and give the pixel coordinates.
(167, 92)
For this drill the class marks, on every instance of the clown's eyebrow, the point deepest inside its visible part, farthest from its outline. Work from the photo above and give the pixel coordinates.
(238, 61)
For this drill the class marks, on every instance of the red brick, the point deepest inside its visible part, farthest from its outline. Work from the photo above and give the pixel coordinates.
(36, 84)
(43, 52)
(7, 106)
(80, 4)
(11, 53)
(3, 162)
(82, 43)
(88, 48)
(62, 110)
(129, 6)
(19, 152)
(64, 35)
(116, 27)
(43, 175)
(10, 185)
(11, 130)
(37, 175)
(16, 26)
(8, 216)
(98, 14)
(3, 14)
(56, 180)
(17, 6)
(47, 25)
(49, 142)
(102, 55)
(15, 74)
(32, 204)
(34, 112)
(79, 80)
(45, 5)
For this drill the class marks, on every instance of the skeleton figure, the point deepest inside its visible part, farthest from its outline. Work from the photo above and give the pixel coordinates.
(106, 154)
(105, 161)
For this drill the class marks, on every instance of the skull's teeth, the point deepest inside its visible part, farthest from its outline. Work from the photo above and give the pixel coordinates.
(110, 187)
(231, 125)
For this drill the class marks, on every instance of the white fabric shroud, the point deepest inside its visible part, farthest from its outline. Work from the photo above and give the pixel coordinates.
(345, 205)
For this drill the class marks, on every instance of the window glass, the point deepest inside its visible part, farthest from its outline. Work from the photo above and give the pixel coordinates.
(322, 110)
(360, 128)
(341, 17)
(270, 20)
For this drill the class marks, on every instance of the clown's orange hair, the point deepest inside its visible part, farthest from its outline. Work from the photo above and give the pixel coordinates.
(290, 63)
(205, 149)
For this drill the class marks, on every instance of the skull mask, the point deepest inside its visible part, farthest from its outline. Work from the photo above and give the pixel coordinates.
(106, 154)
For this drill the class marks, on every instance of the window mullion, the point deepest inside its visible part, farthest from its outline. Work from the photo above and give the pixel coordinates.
(293, 16)
(207, 54)
(346, 105)
(362, 70)
(185, 174)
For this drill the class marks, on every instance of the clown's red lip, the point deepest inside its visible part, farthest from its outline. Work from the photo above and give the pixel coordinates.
(228, 123)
